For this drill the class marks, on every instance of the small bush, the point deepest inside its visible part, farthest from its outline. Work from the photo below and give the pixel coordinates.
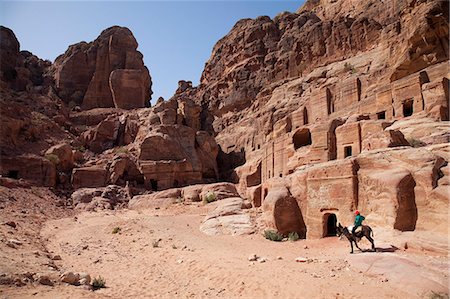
(98, 283)
(415, 142)
(52, 158)
(209, 197)
(121, 150)
(116, 230)
(348, 67)
(81, 149)
(435, 295)
(273, 235)
(293, 236)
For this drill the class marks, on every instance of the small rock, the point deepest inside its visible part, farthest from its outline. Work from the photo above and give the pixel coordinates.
(85, 278)
(362, 282)
(11, 223)
(384, 280)
(56, 257)
(405, 246)
(279, 258)
(262, 260)
(15, 241)
(85, 247)
(45, 280)
(305, 247)
(70, 278)
(252, 258)
(179, 261)
(301, 259)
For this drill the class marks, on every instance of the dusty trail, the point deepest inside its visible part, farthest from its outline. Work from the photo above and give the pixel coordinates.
(189, 264)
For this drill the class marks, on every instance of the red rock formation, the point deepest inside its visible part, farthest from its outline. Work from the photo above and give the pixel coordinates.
(108, 72)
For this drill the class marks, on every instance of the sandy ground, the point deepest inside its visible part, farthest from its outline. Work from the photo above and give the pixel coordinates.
(189, 264)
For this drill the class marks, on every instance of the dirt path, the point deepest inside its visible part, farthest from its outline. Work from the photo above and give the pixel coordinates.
(189, 264)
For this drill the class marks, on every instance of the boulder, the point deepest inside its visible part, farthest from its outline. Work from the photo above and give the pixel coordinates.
(86, 177)
(228, 218)
(64, 154)
(281, 212)
(220, 191)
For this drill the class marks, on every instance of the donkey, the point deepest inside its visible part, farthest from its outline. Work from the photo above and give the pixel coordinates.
(365, 232)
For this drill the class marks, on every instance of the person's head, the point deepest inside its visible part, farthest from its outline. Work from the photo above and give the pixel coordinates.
(356, 212)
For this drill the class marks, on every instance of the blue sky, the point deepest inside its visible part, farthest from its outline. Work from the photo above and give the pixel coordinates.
(176, 37)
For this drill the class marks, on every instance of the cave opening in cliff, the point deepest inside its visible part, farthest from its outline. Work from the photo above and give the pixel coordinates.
(154, 185)
(305, 116)
(408, 108)
(329, 225)
(406, 214)
(423, 77)
(13, 174)
(302, 138)
(347, 151)
(381, 115)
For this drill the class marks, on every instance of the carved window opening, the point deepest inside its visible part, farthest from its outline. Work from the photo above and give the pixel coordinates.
(330, 106)
(305, 116)
(381, 115)
(13, 174)
(302, 138)
(424, 78)
(408, 108)
(348, 151)
(280, 175)
(154, 185)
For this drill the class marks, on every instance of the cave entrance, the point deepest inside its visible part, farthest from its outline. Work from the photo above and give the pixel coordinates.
(408, 108)
(381, 115)
(154, 185)
(348, 151)
(329, 225)
(13, 174)
(302, 138)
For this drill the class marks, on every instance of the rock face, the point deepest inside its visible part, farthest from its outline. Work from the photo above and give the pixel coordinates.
(20, 70)
(108, 72)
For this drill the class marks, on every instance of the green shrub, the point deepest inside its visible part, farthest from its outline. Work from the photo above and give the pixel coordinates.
(81, 148)
(209, 197)
(116, 230)
(273, 235)
(121, 150)
(416, 142)
(435, 295)
(348, 67)
(98, 283)
(52, 158)
(293, 236)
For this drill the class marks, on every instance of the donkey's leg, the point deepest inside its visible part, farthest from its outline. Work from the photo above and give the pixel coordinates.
(371, 241)
(351, 245)
(357, 245)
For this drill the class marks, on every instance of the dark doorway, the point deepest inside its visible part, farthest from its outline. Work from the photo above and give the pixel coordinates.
(347, 151)
(330, 221)
(381, 115)
(305, 116)
(301, 138)
(13, 174)
(154, 185)
(408, 108)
